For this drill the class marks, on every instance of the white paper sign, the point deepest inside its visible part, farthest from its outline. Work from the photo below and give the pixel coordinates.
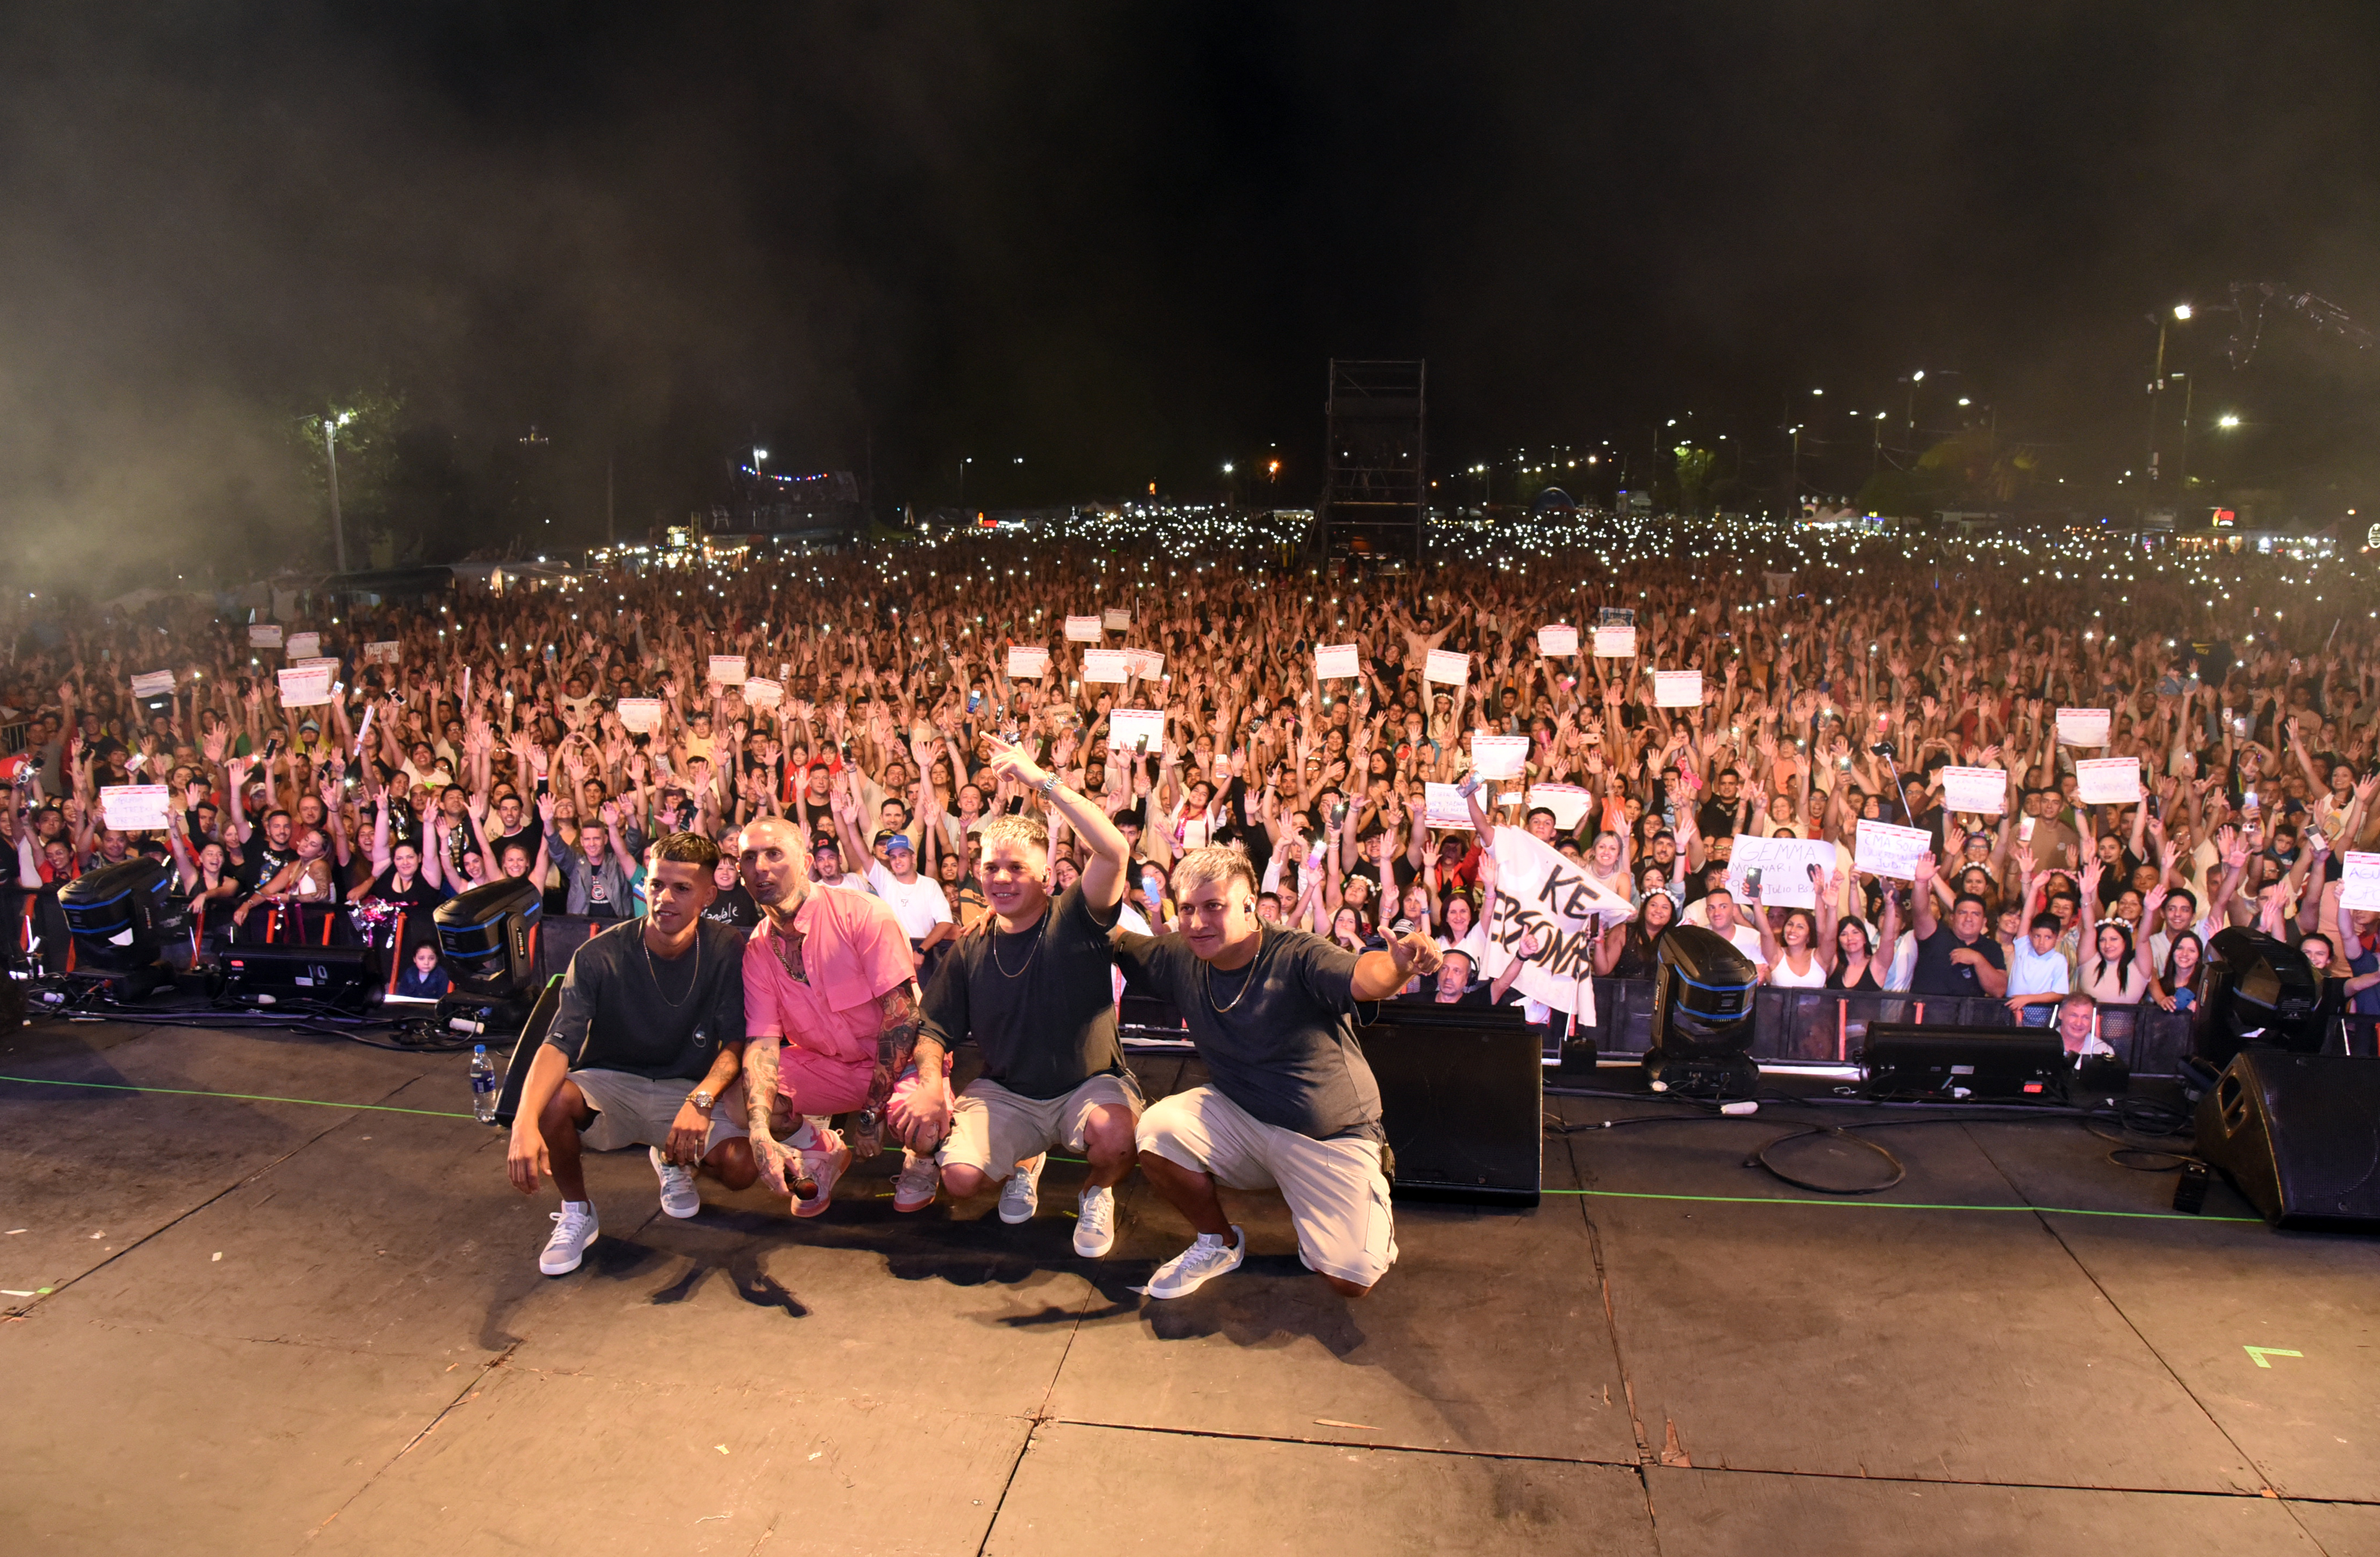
(1544, 900)
(1778, 584)
(1567, 801)
(640, 716)
(1784, 866)
(1116, 620)
(2083, 726)
(2359, 881)
(1105, 665)
(1448, 665)
(133, 808)
(303, 646)
(1979, 790)
(1555, 640)
(317, 659)
(1615, 643)
(1677, 688)
(730, 670)
(1337, 662)
(2107, 781)
(1127, 727)
(1147, 663)
(305, 685)
(385, 653)
(1499, 757)
(762, 692)
(1883, 849)
(1446, 809)
(1083, 629)
(264, 635)
(155, 684)
(1028, 661)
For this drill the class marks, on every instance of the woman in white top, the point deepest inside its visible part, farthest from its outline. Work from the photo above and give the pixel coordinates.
(1793, 960)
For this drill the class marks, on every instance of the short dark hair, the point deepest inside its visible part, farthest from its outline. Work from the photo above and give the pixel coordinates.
(2186, 895)
(2046, 921)
(1966, 897)
(686, 848)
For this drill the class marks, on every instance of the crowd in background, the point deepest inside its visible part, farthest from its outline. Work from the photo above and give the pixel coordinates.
(550, 735)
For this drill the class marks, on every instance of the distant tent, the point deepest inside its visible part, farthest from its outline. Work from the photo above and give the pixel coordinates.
(1553, 500)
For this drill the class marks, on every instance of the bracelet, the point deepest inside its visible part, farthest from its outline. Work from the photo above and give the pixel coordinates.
(1048, 786)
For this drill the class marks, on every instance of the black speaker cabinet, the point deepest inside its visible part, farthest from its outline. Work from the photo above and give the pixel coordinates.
(2299, 1135)
(1462, 1098)
(333, 976)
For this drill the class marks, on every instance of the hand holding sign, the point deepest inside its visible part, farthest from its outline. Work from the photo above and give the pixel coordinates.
(1557, 640)
(1337, 662)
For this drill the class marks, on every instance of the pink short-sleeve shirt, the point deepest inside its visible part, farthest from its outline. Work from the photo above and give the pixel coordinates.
(854, 952)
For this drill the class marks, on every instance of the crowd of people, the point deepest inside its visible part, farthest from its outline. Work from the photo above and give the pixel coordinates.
(863, 714)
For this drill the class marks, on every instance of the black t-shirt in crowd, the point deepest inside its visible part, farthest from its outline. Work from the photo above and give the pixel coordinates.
(1278, 1036)
(1936, 974)
(733, 908)
(624, 1009)
(1041, 1005)
(259, 863)
(421, 894)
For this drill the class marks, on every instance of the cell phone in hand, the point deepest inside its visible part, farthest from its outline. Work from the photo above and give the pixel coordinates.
(1752, 879)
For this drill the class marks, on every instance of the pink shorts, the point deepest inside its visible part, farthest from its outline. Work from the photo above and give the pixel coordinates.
(812, 1083)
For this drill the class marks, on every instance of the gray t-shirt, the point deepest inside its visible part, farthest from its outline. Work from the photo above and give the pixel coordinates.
(662, 1017)
(1278, 1036)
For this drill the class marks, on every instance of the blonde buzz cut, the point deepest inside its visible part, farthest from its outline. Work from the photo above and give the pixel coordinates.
(1215, 862)
(1016, 828)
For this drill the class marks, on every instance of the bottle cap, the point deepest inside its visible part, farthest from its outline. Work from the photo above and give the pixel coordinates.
(479, 1049)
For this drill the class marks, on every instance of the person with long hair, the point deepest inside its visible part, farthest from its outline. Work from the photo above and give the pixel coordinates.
(2183, 984)
(1629, 949)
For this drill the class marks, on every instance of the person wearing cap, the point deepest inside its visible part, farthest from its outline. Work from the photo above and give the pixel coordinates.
(826, 864)
(924, 912)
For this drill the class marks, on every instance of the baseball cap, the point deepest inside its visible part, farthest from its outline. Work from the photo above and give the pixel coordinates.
(896, 841)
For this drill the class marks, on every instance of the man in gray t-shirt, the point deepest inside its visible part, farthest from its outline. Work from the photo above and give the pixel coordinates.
(1291, 1104)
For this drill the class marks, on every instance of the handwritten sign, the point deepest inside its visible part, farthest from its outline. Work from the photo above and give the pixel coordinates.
(304, 646)
(1980, 790)
(264, 635)
(1083, 629)
(762, 692)
(1567, 801)
(1116, 620)
(305, 685)
(1883, 849)
(1556, 641)
(730, 670)
(1499, 757)
(133, 808)
(2107, 781)
(155, 684)
(640, 716)
(385, 653)
(1337, 662)
(1147, 663)
(2359, 881)
(1028, 662)
(1615, 643)
(1448, 666)
(1445, 809)
(1784, 866)
(1677, 688)
(1107, 665)
(2083, 726)
(1557, 912)
(1128, 728)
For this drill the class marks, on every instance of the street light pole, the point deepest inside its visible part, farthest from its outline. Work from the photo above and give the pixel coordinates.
(2189, 393)
(2157, 382)
(331, 453)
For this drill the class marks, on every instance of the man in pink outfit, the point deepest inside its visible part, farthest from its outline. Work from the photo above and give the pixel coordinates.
(832, 1022)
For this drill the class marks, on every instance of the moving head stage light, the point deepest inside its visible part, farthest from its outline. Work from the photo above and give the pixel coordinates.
(1702, 1016)
(487, 942)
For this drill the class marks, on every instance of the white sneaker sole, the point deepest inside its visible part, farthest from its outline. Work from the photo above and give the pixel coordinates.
(1097, 1245)
(1184, 1288)
(694, 1196)
(577, 1256)
(821, 1202)
(1031, 1206)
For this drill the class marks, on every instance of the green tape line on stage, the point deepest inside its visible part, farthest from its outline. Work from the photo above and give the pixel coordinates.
(240, 1097)
(1891, 1205)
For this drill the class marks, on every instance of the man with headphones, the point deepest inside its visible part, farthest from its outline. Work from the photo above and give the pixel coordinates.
(644, 1051)
(1290, 1103)
(1033, 985)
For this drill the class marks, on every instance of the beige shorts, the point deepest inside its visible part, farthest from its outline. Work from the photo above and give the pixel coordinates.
(1338, 1197)
(993, 1128)
(637, 1111)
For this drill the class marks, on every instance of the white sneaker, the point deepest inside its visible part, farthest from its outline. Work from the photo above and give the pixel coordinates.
(1095, 1221)
(574, 1229)
(1021, 1195)
(680, 1198)
(921, 1181)
(1207, 1258)
(825, 1168)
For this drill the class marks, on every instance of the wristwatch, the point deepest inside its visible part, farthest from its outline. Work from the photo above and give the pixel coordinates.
(1047, 786)
(701, 1098)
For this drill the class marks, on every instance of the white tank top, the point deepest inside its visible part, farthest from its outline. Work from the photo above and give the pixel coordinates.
(1781, 974)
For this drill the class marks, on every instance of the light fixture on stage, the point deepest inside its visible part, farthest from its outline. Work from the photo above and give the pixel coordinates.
(1702, 1015)
(487, 944)
(115, 915)
(2262, 993)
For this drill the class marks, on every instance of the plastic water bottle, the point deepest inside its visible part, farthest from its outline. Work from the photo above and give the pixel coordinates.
(483, 1084)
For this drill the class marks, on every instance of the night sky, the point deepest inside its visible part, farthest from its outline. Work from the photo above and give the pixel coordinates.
(1120, 241)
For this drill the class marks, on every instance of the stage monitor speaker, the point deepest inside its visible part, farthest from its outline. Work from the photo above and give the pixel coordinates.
(339, 977)
(2299, 1135)
(2263, 994)
(1462, 1098)
(1964, 1064)
(533, 1036)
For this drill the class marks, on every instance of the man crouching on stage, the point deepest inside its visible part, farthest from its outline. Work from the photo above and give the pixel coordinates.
(833, 1027)
(1033, 985)
(644, 1051)
(1291, 1103)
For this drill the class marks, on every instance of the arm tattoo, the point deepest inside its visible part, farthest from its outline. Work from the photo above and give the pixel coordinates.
(896, 1044)
(760, 1083)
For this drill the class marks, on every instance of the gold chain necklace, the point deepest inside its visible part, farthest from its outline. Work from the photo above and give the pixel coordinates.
(655, 972)
(1244, 987)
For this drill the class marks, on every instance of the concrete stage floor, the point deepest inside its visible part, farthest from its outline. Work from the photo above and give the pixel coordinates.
(273, 1327)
